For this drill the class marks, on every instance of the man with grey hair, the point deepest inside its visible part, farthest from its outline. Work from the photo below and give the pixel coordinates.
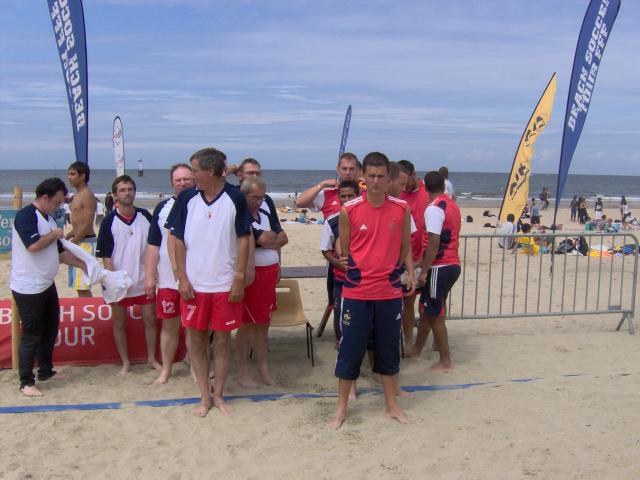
(160, 269)
(211, 218)
(260, 296)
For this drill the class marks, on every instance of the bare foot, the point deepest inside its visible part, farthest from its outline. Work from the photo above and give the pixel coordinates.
(337, 421)
(154, 364)
(444, 367)
(246, 381)
(267, 379)
(223, 407)
(31, 391)
(353, 392)
(202, 409)
(396, 414)
(163, 377)
(126, 368)
(54, 375)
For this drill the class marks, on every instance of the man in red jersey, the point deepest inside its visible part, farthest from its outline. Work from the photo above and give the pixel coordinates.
(417, 197)
(323, 196)
(440, 267)
(375, 239)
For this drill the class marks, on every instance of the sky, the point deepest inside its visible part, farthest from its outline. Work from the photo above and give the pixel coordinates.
(436, 82)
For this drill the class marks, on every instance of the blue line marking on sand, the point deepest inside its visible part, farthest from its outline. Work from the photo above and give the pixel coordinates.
(257, 397)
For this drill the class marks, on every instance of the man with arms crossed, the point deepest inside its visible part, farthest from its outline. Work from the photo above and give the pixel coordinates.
(440, 267)
(260, 296)
(159, 270)
(122, 242)
(375, 239)
(83, 210)
(211, 226)
(36, 253)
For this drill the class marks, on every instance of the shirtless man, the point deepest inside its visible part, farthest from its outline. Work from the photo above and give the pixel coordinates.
(83, 210)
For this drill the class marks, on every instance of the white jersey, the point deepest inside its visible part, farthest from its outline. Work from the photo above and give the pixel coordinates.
(158, 235)
(448, 188)
(264, 256)
(33, 272)
(125, 242)
(210, 231)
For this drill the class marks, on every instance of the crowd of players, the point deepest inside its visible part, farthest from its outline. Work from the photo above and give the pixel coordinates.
(208, 260)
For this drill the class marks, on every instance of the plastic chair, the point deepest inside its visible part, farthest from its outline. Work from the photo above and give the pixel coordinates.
(290, 312)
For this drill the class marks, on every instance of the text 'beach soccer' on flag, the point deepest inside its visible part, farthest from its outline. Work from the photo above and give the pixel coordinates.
(595, 31)
(67, 17)
(517, 191)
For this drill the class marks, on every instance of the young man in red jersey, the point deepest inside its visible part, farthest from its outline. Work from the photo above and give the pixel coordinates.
(440, 267)
(374, 239)
(417, 197)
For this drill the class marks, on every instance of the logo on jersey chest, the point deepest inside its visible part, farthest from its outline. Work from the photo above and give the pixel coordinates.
(363, 227)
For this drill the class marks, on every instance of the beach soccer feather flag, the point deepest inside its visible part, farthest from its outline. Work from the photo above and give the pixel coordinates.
(118, 146)
(345, 132)
(595, 31)
(67, 18)
(517, 190)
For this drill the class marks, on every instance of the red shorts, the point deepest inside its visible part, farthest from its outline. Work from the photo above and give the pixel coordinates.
(139, 300)
(260, 296)
(211, 311)
(167, 303)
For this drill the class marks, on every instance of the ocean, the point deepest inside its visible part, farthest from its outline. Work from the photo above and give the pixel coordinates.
(470, 187)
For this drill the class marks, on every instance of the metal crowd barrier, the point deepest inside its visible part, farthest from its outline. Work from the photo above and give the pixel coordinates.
(494, 283)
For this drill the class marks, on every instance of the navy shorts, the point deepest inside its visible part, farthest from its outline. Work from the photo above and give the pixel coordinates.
(337, 302)
(360, 319)
(440, 280)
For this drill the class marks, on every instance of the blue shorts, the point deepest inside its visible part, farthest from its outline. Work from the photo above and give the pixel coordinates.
(440, 280)
(360, 319)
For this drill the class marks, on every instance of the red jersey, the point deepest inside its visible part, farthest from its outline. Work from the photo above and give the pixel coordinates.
(327, 202)
(374, 248)
(418, 201)
(442, 217)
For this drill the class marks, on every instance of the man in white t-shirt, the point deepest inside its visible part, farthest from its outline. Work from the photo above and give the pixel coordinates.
(160, 271)
(122, 242)
(509, 228)
(36, 253)
(260, 296)
(211, 226)
(448, 186)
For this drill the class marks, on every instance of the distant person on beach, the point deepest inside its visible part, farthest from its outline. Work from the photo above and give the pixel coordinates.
(375, 238)
(83, 211)
(35, 257)
(99, 213)
(599, 210)
(440, 268)
(574, 208)
(506, 241)
(67, 212)
(212, 218)
(583, 217)
(160, 272)
(108, 202)
(544, 198)
(417, 197)
(448, 186)
(259, 297)
(624, 209)
(122, 244)
(535, 212)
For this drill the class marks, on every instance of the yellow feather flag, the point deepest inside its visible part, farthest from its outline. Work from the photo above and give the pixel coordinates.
(517, 191)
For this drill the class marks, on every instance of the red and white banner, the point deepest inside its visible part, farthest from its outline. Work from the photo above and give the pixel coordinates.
(85, 336)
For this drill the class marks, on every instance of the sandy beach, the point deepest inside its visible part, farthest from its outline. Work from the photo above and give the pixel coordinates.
(548, 398)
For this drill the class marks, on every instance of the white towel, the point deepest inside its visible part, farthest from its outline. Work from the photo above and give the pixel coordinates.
(114, 284)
